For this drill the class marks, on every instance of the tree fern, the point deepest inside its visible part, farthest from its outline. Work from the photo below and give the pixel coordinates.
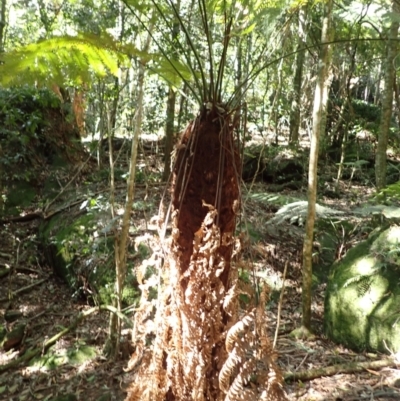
(203, 69)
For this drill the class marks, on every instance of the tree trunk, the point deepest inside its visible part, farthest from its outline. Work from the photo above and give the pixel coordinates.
(2, 29)
(275, 102)
(346, 113)
(297, 81)
(121, 240)
(111, 347)
(319, 121)
(2, 23)
(387, 98)
(169, 128)
(100, 124)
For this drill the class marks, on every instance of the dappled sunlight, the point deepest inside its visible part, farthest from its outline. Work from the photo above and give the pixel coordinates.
(365, 265)
(144, 261)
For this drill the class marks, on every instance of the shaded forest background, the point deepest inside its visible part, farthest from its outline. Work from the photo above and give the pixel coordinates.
(152, 150)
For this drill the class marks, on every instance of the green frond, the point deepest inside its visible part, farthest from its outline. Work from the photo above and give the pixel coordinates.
(139, 5)
(131, 51)
(173, 71)
(62, 59)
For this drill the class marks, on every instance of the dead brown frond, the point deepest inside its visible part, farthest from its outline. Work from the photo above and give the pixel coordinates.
(250, 372)
(200, 351)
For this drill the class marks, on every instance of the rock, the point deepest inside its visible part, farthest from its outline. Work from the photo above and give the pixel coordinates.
(363, 295)
(116, 143)
(14, 338)
(273, 165)
(11, 315)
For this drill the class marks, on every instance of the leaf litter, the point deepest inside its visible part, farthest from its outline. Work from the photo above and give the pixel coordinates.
(47, 308)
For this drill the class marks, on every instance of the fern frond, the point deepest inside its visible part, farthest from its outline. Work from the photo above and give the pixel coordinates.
(62, 59)
(236, 330)
(297, 212)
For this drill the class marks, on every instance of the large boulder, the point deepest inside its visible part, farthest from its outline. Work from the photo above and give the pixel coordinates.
(363, 294)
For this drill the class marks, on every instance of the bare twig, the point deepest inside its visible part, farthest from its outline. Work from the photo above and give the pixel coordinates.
(80, 168)
(278, 318)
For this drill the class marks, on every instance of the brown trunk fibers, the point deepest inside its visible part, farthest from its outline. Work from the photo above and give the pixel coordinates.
(200, 348)
(205, 204)
(206, 178)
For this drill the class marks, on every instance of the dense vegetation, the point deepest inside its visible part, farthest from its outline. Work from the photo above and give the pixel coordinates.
(140, 142)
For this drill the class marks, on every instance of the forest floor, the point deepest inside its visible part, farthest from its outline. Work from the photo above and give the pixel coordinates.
(47, 308)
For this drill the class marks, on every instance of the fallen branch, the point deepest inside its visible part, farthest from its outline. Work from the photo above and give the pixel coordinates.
(278, 318)
(40, 215)
(24, 289)
(21, 219)
(351, 367)
(7, 271)
(31, 353)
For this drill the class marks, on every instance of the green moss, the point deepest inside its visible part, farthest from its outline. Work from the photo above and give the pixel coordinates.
(72, 356)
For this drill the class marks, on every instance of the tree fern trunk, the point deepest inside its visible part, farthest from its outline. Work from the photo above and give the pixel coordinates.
(205, 202)
(192, 359)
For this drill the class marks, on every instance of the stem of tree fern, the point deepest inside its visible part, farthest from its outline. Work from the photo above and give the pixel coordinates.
(165, 55)
(193, 49)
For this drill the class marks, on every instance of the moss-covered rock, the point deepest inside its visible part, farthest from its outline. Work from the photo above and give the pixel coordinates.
(363, 294)
(273, 164)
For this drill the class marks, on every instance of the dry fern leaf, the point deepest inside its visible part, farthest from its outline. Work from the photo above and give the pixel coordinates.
(235, 331)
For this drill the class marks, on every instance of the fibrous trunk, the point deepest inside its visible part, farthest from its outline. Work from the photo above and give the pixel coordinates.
(205, 203)
(200, 350)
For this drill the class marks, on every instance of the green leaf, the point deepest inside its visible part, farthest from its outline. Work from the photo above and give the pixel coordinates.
(173, 71)
(249, 29)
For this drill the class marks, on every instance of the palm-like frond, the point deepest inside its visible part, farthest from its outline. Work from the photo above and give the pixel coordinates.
(62, 59)
(203, 48)
(296, 212)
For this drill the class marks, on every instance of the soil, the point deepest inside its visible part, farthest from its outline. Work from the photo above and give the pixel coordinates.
(49, 307)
